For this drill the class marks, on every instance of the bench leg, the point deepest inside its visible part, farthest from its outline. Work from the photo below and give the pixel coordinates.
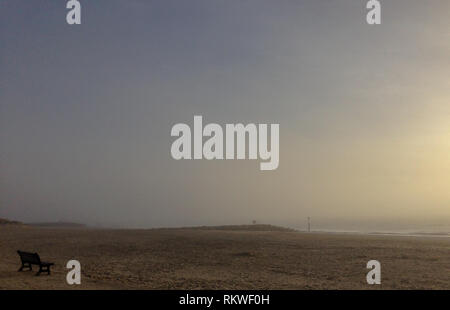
(25, 266)
(41, 269)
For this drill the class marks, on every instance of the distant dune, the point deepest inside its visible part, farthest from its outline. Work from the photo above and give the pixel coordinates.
(61, 224)
(255, 227)
(8, 222)
(58, 225)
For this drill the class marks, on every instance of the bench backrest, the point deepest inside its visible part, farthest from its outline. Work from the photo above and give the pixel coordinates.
(32, 258)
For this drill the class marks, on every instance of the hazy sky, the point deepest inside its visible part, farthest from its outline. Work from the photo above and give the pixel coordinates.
(364, 111)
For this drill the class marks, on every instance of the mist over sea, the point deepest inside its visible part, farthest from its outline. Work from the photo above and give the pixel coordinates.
(424, 231)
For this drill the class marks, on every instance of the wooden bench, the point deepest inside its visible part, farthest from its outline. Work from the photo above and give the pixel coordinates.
(29, 259)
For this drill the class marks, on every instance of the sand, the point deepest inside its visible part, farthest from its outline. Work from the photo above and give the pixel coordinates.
(222, 259)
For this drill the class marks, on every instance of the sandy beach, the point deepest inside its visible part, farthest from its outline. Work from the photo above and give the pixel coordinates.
(222, 259)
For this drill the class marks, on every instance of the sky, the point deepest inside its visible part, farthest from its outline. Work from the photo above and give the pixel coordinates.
(364, 111)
